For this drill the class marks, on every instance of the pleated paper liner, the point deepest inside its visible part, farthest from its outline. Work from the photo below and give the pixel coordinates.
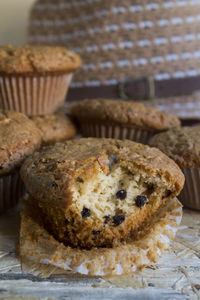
(115, 131)
(190, 195)
(33, 95)
(11, 190)
(40, 249)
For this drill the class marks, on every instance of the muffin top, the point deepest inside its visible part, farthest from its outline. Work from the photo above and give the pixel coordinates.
(54, 127)
(18, 138)
(127, 113)
(37, 59)
(49, 172)
(181, 144)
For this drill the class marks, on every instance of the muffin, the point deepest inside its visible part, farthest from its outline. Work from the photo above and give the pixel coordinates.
(35, 79)
(183, 146)
(39, 248)
(19, 137)
(54, 127)
(98, 192)
(121, 120)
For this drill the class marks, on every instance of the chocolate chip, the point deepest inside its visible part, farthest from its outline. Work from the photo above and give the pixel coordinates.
(85, 212)
(79, 179)
(118, 219)
(141, 200)
(106, 219)
(121, 194)
(67, 222)
(112, 160)
(96, 232)
(150, 187)
(54, 184)
(167, 194)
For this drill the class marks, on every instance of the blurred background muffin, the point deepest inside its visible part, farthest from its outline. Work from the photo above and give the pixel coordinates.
(121, 119)
(19, 137)
(35, 79)
(183, 146)
(54, 127)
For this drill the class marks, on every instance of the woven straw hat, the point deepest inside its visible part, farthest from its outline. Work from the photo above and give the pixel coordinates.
(131, 49)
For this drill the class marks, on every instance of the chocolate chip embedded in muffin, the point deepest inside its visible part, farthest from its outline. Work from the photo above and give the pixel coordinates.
(141, 200)
(85, 212)
(119, 219)
(96, 232)
(121, 194)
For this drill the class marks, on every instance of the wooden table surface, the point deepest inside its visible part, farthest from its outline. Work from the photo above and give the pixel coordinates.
(175, 276)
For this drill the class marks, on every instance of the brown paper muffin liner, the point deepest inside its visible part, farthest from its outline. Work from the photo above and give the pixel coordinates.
(33, 95)
(190, 195)
(11, 189)
(38, 247)
(116, 132)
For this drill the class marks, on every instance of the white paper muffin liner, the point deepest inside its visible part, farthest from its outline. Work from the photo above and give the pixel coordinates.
(116, 132)
(11, 189)
(39, 247)
(190, 195)
(33, 95)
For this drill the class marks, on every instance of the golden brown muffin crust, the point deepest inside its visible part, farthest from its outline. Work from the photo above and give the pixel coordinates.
(21, 60)
(181, 144)
(128, 113)
(75, 185)
(55, 127)
(18, 138)
(61, 162)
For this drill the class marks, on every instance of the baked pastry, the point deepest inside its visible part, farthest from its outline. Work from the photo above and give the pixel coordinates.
(19, 137)
(54, 127)
(121, 119)
(35, 79)
(98, 192)
(40, 249)
(183, 146)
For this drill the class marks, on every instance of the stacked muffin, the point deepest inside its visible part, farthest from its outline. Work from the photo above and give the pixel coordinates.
(19, 137)
(33, 80)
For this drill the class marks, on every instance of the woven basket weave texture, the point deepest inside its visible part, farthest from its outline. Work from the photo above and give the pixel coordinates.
(121, 39)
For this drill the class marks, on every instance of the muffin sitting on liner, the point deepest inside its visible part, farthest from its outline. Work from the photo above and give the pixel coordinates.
(19, 137)
(35, 79)
(101, 205)
(54, 127)
(121, 120)
(96, 192)
(183, 146)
